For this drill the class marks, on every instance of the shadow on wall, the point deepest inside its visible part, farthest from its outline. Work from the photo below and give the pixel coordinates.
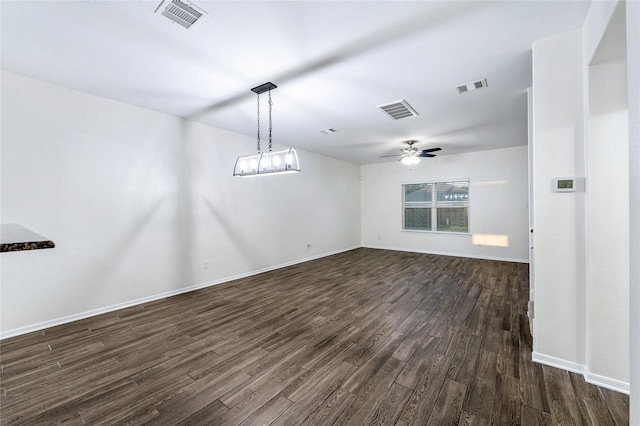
(185, 218)
(117, 253)
(216, 215)
(243, 241)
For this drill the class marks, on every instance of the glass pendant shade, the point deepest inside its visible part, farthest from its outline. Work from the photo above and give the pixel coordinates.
(410, 159)
(267, 163)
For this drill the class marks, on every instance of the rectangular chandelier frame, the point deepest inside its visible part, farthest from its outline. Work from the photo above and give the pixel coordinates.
(267, 163)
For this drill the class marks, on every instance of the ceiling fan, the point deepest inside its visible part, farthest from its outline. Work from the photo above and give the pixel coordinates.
(412, 154)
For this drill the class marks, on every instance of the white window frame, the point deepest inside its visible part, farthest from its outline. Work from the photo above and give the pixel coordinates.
(435, 204)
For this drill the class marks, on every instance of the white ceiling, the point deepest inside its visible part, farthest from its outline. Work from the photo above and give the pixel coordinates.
(333, 62)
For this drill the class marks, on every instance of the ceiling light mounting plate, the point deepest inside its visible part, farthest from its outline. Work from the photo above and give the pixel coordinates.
(264, 88)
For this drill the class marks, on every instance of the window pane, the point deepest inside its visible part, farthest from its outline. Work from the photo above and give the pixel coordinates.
(453, 192)
(418, 194)
(416, 218)
(453, 219)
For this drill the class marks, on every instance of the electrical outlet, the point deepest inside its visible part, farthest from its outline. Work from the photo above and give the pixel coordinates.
(308, 246)
(205, 265)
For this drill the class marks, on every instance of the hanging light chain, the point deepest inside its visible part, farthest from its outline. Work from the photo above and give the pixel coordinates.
(258, 122)
(270, 121)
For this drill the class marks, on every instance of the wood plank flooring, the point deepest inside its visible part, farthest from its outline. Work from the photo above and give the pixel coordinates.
(362, 337)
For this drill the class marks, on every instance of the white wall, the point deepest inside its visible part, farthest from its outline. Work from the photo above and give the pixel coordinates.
(608, 222)
(633, 69)
(559, 327)
(136, 201)
(497, 195)
(581, 124)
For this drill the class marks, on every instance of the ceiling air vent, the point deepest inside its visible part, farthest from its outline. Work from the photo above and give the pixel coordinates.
(182, 13)
(472, 86)
(398, 109)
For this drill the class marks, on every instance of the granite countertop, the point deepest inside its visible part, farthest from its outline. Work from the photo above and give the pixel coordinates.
(14, 237)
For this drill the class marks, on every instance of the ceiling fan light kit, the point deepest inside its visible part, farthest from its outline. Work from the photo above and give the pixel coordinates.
(410, 160)
(412, 154)
(270, 162)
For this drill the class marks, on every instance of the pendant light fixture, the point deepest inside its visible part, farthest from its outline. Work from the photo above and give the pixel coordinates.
(270, 162)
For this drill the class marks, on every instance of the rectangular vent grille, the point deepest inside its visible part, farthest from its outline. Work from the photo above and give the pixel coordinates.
(398, 109)
(472, 86)
(181, 13)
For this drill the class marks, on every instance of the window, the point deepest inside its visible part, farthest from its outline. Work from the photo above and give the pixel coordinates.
(436, 206)
(418, 202)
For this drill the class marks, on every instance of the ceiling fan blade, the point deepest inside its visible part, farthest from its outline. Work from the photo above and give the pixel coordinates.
(404, 152)
(413, 151)
(424, 151)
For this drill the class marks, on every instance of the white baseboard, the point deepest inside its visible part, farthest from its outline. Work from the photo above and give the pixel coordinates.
(441, 253)
(595, 379)
(607, 382)
(552, 361)
(75, 317)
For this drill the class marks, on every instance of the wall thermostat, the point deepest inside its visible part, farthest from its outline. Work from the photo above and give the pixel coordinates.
(568, 184)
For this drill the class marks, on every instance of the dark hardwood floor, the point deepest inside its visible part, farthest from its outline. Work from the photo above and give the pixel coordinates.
(363, 337)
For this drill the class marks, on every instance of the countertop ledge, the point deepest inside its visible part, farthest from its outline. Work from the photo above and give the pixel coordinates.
(14, 237)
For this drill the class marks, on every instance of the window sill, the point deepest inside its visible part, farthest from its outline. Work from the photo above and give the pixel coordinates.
(418, 231)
